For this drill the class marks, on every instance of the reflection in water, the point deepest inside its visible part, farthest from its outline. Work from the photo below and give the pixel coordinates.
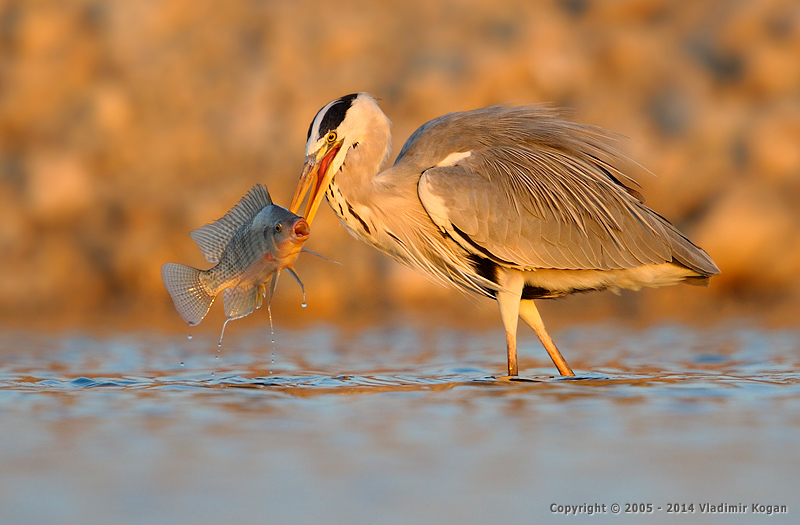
(396, 425)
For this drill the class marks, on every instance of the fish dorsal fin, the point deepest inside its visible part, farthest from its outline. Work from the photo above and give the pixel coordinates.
(214, 238)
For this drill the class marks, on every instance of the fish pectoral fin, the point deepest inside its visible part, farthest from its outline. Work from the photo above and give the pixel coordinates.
(302, 288)
(272, 286)
(306, 250)
(261, 292)
(296, 278)
(240, 300)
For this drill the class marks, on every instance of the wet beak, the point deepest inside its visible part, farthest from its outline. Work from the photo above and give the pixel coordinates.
(314, 180)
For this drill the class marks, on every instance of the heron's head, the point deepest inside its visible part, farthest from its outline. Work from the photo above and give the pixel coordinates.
(350, 122)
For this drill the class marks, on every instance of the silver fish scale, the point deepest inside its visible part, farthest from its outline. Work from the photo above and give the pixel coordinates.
(245, 249)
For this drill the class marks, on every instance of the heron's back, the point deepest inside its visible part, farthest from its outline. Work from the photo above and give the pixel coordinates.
(538, 192)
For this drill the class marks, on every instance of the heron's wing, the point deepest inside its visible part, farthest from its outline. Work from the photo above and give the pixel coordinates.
(536, 207)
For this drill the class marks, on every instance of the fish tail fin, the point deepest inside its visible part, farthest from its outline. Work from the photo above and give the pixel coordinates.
(191, 297)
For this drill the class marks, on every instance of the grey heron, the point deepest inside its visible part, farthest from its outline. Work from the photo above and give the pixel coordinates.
(513, 203)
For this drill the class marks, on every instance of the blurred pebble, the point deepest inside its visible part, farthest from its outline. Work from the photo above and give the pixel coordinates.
(123, 125)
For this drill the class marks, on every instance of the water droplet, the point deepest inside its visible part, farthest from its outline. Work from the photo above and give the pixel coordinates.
(271, 326)
(222, 334)
(304, 305)
(216, 357)
(190, 337)
(182, 364)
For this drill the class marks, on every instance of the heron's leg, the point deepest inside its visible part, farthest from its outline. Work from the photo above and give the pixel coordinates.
(508, 299)
(529, 313)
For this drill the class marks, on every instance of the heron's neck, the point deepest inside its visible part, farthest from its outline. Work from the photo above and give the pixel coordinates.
(354, 192)
(366, 157)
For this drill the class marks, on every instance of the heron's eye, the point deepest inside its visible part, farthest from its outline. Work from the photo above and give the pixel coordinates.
(278, 228)
(331, 138)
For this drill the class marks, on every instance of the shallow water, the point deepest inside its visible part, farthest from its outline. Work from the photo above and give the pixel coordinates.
(397, 426)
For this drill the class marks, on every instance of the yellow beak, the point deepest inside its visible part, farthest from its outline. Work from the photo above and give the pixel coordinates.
(314, 180)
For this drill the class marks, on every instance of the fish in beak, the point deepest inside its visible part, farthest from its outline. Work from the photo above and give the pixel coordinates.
(315, 179)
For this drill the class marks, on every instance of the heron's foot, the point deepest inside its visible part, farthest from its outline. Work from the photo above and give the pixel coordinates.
(517, 379)
(520, 379)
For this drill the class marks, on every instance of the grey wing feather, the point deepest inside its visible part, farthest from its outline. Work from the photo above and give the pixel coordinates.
(532, 206)
(214, 238)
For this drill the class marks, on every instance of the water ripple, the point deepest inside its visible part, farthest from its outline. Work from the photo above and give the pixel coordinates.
(706, 383)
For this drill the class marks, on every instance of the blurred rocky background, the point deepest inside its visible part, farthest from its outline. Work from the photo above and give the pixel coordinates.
(124, 125)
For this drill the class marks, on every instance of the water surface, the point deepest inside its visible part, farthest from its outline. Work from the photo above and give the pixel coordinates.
(397, 425)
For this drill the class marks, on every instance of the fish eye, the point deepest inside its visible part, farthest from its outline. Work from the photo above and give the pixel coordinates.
(331, 137)
(278, 228)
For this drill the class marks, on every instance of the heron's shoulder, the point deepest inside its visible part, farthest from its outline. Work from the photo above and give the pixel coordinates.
(422, 135)
(487, 126)
(446, 134)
